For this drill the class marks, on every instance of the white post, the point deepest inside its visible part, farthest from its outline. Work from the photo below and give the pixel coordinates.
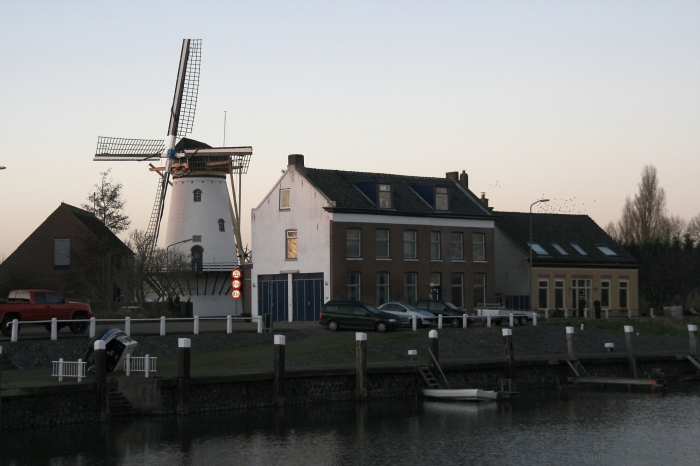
(607, 313)
(15, 330)
(127, 326)
(229, 324)
(128, 365)
(80, 370)
(92, 327)
(510, 320)
(260, 324)
(196, 325)
(566, 313)
(147, 365)
(582, 327)
(162, 326)
(414, 323)
(488, 321)
(60, 370)
(629, 313)
(464, 320)
(546, 313)
(439, 320)
(534, 319)
(54, 329)
(651, 312)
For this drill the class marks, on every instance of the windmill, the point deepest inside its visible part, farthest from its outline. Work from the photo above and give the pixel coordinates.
(200, 206)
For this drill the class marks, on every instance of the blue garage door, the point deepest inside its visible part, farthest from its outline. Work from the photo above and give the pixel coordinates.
(272, 296)
(308, 296)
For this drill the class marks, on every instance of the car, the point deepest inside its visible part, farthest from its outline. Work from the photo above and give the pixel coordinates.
(43, 305)
(447, 309)
(405, 312)
(356, 314)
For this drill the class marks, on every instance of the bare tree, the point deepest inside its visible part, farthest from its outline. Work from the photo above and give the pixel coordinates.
(138, 285)
(105, 201)
(693, 229)
(672, 227)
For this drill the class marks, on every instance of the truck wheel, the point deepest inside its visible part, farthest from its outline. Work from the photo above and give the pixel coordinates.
(79, 327)
(7, 330)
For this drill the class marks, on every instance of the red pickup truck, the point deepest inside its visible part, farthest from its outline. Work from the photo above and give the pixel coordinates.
(33, 305)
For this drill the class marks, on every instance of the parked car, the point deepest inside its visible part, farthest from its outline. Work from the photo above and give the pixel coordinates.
(447, 309)
(356, 314)
(28, 305)
(405, 313)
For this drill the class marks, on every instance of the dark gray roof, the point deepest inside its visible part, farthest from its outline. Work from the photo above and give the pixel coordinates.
(563, 230)
(342, 187)
(98, 229)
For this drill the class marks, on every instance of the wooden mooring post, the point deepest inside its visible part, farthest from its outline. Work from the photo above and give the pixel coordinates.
(570, 342)
(693, 335)
(184, 346)
(279, 371)
(508, 346)
(629, 341)
(0, 385)
(101, 391)
(434, 348)
(361, 366)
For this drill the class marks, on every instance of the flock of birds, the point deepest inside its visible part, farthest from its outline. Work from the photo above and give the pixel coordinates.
(556, 206)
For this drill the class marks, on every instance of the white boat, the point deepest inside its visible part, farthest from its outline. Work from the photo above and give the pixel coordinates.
(460, 394)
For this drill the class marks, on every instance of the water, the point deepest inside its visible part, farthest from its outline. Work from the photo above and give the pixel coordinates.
(550, 428)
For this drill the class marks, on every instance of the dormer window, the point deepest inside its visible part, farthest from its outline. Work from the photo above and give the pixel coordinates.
(441, 198)
(197, 194)
(221, 225)
(385, 196)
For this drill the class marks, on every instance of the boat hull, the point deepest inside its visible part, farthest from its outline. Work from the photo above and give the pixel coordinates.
(460, 394)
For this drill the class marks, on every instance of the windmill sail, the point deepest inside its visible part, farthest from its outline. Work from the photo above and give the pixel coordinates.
(118, 149)
(186, 88)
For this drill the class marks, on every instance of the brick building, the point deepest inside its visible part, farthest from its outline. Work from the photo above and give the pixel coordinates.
(329, 234)
(73, 253)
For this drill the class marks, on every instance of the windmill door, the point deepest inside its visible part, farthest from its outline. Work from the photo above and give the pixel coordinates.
(272, 296)
(307, 291)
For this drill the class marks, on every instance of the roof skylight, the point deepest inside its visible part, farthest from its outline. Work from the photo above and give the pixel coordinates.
(561, 250)
(538, 249)
(579, 249)
(606, 250)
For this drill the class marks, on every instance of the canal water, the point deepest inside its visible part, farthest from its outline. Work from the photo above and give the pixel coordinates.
(548, 428)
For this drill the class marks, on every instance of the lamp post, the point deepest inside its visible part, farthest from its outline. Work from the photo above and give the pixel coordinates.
(183, 241)
(530, 264)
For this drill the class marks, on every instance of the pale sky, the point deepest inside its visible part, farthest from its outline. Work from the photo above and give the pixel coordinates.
(567, 100)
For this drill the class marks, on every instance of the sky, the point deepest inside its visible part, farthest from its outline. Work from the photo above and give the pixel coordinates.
(567, 100)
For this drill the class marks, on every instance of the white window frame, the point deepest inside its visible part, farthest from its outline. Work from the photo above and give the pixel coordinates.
(285, 195)
(410, 241)
(384, 189)
(605, 285)
(454, 286)
(353, 241)
(355, 286)
(61, 252)
(626, 289)
(479, 286)
(560, 287)
(540, 287)
(292, 239)
(383, 286)
(442, 198)
(453, 243)
(410, 287)
(479, 246)
(435, 246)
(382, 241)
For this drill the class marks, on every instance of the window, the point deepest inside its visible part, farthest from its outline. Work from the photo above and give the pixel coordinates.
(558, 294)
(284, 199)
(385, 196)
(538, 249)
(197, 256)
(435, 245)
(410, 250)
(354, 286)
(382, 250)
(410, 287)
(479, 245)
(456, 249)
(354, 238)
(197, 193)
(606, 250)
(291, 249)
(581, 293)
(61, 253)
(479, 289)
(441, 199)
(561, 250)
(457, 285)
(579, 249)
(543, 292)
(436, 285)
(605, 293)
(623, 295)
(221, 225)
(382, 288)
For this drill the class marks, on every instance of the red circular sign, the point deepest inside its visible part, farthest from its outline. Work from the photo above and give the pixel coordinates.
(236, 284)
(236, 294)
(236, 273)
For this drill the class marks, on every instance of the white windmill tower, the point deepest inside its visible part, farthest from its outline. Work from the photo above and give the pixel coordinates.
(203, 222)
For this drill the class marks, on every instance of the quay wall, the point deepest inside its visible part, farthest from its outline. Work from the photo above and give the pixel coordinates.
(77, 403)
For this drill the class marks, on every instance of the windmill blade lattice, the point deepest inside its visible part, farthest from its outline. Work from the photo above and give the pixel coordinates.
(117, 149)
(186, 88)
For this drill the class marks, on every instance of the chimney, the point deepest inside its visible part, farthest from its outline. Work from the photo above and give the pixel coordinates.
(464, 179)
(296, 159)
(451, 175)
(485, 202)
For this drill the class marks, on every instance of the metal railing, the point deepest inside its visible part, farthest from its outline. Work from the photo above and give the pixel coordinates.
(127, 321)
(63, 368)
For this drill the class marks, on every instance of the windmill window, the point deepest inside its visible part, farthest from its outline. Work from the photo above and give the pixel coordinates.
(579, 249)
(385, 196)
(222, 225)
(197, 195)
(441, 199)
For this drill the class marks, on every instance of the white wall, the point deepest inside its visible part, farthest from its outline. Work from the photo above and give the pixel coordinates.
(269, 225)
(188, 218)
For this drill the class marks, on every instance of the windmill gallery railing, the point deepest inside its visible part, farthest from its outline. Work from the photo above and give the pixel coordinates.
(128, 321)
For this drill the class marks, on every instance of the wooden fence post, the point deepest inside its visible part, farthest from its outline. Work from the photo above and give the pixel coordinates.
(278, 388)
(101, 392)
(361, 366)
(184, 346)
(629, 340)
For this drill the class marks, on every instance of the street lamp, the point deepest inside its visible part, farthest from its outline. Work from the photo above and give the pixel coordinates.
(183, 241)
(530, 264)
